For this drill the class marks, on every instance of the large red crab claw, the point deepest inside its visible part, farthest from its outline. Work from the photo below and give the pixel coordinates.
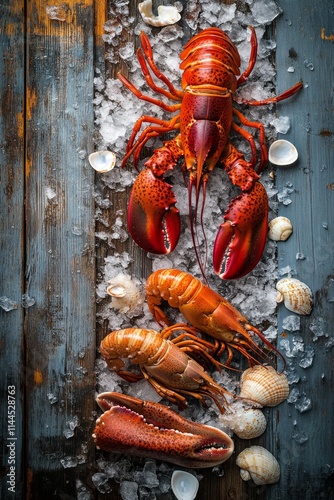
(146, 429)
(153, 219)
(241, 238)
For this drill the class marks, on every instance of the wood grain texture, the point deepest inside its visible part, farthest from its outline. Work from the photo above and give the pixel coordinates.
(11, 242)
(59, 246)
(52, 351)
(307, 468)
(48, 251)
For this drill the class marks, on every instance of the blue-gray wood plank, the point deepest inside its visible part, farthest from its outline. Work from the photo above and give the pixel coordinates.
(47, 250)
(11, 245)
(49, 255)
(305, 40)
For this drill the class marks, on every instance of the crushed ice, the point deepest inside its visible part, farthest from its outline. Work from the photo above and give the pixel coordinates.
(116, 111)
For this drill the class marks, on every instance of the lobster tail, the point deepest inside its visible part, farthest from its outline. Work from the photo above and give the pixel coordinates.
(210, 58)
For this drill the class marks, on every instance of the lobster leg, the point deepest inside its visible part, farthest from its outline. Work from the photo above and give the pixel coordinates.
(144, 55)
(148, 54)
(273, 100)
(144, 97)
(152, 131)
(252, 58)
(242, 236)
(250, 139)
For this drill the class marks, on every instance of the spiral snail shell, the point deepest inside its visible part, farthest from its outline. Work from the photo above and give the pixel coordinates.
(258, 464)
(296, 295)
(279, 229)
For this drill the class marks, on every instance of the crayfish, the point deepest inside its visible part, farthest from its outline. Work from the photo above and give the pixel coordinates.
(164, 363)
(205, 115)
(206, 311)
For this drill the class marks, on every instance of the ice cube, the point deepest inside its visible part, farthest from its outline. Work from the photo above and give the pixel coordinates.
(7, 304)
(128, 490)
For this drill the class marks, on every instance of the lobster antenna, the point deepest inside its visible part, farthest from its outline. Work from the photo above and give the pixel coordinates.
(193, 224)
(202, 221)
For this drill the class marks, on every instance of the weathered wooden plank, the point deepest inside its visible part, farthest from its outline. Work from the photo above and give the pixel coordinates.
(305, 41)
(60, 340)
(59, 328)
(11, 246)
(280, 443)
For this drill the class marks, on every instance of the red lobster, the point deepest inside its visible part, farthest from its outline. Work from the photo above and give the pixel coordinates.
(205, 117)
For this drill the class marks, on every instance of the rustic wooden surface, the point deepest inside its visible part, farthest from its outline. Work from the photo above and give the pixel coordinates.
(306, 33)
(47, 249)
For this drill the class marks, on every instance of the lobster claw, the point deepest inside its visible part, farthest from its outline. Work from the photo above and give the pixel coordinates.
(242, 236)
(153, 219)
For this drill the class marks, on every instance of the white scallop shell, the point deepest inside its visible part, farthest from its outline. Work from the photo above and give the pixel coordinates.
(280, 229)
(296, 295)
(184, 485)
(102, 161)
(264, 386)
(166, 14)
(282, 153)
(246, 423)
(125, 293)
(258, 464)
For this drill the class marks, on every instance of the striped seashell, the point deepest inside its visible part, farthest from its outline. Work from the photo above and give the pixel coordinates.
(264, 385)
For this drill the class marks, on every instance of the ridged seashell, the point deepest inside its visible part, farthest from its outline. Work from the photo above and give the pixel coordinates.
(184, 485)
(280, 229)
(102, 161)
(124, 292)
(296, 295)
(264, 385)
(258, 464)
(282, 153)
(246, 423)
(166, 14)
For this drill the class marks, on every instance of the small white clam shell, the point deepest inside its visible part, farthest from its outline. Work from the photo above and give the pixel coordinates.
(297, 296)
(102, 161)
(264, 385)
(246, 423)
(280, 229)
(125, 293)
(258, 464)
(166, 14)
(184, 485)
(282, 153)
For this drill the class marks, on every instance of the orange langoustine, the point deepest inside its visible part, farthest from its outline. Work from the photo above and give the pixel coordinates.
(167, 367)
(207, 311)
